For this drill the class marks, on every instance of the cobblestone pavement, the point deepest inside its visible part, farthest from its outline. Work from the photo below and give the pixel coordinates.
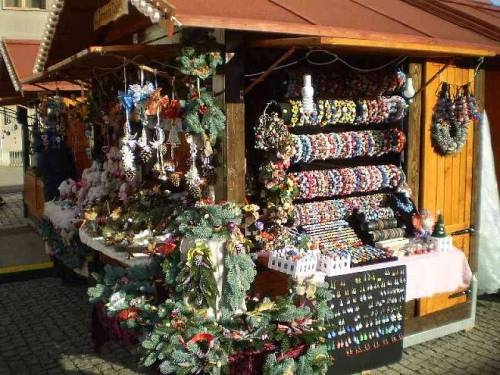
(476, 352)
(44, 329)
(11, 213)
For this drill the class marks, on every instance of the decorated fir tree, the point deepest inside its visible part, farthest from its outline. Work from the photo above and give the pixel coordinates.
(439, 228)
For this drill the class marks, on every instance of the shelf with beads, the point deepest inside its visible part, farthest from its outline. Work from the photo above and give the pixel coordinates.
(346, 181)
(345, 111)
(332, 235)
(346, 84)
(346, 145)
(339, 240)
(331, 210)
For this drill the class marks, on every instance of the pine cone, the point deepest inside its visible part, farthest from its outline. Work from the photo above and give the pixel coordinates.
(195, 191)
(175, 180)
(198, 260)
(129, 175)
(146, 155)
(208, 172)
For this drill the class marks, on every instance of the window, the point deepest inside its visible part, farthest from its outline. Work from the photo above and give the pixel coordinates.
(25, 4)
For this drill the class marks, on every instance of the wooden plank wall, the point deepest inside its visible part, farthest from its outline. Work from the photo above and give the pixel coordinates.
(414, 134)
(446, 181)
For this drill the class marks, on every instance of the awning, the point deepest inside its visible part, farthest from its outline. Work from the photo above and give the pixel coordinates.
(363, 24)
(100, 60)
(16, 63)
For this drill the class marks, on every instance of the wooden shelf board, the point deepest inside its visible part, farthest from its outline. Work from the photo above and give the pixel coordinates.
(423, 49)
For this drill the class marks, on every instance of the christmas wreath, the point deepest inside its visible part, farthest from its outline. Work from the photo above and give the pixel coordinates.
(451, 119)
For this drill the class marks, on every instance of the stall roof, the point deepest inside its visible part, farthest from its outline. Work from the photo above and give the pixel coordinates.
(16, 63)
(478, 16)
(17, 57)
(361, 23)
(98, 60)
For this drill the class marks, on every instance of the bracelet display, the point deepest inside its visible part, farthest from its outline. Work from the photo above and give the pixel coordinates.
(345, 181)
(376, 213)
(336, 209)
(364, 111)
(387, 234)
(380, 224)
(332, 235)
(346, 145)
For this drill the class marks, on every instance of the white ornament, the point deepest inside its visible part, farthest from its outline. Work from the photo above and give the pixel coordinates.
(307, 95)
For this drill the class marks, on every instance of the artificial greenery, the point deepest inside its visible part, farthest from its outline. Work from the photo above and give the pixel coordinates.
(240, 274)
(314, 361)
(181, 335)
(128, 294)
(185, 342)
(148, 209)
(202, 115)
(200, 65)
(205, 221)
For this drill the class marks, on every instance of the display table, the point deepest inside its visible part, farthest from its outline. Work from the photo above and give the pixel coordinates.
(429, 274)
(60, 240)
(97, 244)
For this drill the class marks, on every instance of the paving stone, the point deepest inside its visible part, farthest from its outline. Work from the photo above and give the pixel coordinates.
(44, 329)
(11, 213)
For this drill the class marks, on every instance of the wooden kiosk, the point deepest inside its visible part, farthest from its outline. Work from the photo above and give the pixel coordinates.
(262, 36)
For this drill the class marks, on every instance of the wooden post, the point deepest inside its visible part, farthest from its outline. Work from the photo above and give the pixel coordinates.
(22, 119)
(414, 133)
(234, 141)
(479, 93)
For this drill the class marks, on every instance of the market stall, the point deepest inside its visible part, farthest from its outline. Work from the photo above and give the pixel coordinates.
(254, 209)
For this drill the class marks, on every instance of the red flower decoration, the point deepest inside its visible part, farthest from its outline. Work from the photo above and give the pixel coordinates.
(203, 109)
(167, 248)
(131, 313)
(202, 337)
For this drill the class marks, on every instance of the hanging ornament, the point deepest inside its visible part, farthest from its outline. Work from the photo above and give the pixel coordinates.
(173, 136)
(154, 103)
(128, 160)
(409, 90)
(193, 179)
(449, 127)
(307, 95)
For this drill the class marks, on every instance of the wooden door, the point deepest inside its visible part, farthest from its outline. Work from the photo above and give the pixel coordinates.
(446, 181)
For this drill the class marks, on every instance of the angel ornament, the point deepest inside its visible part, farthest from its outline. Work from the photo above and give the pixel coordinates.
(173, 136)
(157, 144)
(193, 179)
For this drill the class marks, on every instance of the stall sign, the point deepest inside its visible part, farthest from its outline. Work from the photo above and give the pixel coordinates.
(110, 12)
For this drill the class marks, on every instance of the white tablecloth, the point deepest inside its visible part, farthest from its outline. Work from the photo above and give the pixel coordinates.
(429, 274)
(97, 243)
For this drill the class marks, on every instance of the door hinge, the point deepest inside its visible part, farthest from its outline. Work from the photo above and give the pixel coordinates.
(470, 230)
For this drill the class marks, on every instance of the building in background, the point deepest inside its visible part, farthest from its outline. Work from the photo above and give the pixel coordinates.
(19, 20)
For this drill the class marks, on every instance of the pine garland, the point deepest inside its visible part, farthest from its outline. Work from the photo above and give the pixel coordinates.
(240, 275)
(128, 294)
(205, 221)
(203, 115)
(201, 65)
